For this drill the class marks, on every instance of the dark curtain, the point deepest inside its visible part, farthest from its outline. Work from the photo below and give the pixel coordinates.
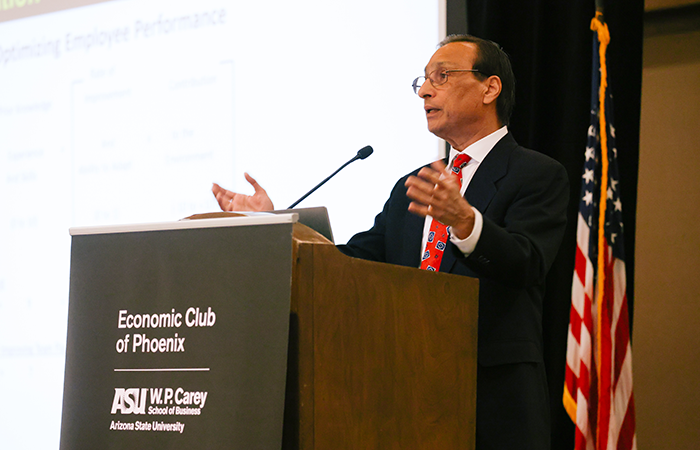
(550, 45)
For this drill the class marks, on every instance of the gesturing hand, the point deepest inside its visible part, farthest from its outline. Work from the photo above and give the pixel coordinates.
(437, 193)
(232, 201)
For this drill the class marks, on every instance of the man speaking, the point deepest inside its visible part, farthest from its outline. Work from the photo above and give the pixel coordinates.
(494, 211)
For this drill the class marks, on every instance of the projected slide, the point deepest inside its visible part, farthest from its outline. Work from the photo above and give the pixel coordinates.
(115, 112)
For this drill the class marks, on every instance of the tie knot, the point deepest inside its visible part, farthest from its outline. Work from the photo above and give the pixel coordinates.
(460, 161)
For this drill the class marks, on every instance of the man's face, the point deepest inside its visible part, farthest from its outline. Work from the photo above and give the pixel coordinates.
(454, 109)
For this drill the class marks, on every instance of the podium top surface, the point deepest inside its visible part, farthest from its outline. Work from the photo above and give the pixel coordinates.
(252, 219)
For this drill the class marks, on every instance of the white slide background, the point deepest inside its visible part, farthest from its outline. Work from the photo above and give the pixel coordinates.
(123, 112)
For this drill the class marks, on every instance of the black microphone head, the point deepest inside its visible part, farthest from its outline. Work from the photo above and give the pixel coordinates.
(364, 152)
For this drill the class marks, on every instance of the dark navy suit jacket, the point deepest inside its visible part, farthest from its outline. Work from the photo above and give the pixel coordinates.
(522, 196)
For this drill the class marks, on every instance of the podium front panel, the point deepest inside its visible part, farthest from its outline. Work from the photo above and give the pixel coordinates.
(177, 338)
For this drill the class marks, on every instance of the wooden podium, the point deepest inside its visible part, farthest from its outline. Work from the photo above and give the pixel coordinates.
(380, 356)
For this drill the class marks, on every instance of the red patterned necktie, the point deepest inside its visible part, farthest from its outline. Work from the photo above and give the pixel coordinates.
(438, 234)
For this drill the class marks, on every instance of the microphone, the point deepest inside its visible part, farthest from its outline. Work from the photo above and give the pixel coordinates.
(363, 153)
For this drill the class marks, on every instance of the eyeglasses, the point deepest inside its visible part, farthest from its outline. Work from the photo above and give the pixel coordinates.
(437, 77)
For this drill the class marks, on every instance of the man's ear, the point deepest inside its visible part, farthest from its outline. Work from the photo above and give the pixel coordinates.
(493, 89)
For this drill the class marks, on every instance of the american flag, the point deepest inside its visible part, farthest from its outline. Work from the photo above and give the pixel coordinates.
(598, 388)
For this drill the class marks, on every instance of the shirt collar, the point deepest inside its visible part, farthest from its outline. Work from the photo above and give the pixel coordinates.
(479, 149)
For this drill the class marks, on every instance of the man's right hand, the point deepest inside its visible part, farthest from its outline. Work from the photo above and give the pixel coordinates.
(232, 201)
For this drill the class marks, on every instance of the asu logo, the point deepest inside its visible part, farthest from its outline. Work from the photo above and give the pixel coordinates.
(129, 401)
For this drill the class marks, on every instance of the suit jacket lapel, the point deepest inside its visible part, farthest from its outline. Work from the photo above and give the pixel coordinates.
(482, 187)
(412, 239)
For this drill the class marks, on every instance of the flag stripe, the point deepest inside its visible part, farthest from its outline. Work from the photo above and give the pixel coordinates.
(622, 333)
(627, 439)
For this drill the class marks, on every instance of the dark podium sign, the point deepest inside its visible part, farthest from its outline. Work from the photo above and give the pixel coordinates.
(177, 335)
